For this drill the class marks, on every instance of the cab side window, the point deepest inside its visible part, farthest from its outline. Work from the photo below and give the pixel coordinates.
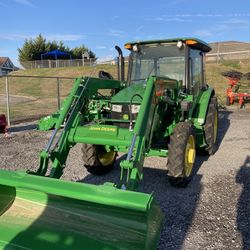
(195, 71)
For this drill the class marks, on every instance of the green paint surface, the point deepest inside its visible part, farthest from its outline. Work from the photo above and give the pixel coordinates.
(44, 213)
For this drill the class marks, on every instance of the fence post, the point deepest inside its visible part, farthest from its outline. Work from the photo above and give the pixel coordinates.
(58, 93)
(218, 51)
(7, 100)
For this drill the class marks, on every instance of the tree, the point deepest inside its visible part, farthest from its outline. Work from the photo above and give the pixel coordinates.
(78, 52)
(33, 48)
(51, 46)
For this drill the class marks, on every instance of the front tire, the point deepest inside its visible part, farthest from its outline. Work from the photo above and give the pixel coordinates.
(181, 154)
(97, 160)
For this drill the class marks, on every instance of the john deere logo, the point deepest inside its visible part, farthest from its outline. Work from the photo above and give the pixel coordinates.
(106, 129)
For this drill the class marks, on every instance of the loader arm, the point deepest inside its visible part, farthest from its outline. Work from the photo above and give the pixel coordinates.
(74, 109)
(141, 138)
(148, 117)
(72, 113)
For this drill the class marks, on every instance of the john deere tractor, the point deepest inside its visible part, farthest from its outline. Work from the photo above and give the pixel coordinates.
(164, 108)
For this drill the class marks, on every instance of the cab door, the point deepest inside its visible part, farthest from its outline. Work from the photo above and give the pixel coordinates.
(196, 74)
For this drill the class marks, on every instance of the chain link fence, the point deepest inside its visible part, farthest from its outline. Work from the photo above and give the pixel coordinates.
(24, 98)
(64, 63)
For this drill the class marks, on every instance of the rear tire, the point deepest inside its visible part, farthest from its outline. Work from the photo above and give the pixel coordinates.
(97, 160)
(211, 127)
(181, 154)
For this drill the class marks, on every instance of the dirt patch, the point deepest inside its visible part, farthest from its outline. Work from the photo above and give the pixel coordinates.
(15, 99)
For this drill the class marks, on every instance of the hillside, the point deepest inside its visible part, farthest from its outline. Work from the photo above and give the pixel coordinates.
(229, 46)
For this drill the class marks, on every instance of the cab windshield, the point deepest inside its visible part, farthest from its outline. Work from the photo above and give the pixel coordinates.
(157, 60)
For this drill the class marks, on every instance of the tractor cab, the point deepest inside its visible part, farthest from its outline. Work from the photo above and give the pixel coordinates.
(177, 59)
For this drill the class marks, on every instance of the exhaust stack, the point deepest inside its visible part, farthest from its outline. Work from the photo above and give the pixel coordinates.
(121, 70)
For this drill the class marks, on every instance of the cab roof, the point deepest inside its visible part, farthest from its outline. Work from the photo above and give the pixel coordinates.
(192, 42)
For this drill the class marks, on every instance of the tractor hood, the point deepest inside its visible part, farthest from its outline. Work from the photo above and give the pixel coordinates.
(134, 92)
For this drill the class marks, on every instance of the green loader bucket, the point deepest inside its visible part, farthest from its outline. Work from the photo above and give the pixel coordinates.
(44, 213)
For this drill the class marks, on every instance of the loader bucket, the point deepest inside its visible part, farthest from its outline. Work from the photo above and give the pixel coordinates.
(44, 213)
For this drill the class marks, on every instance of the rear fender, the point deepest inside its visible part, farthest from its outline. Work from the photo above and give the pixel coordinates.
(199, 114)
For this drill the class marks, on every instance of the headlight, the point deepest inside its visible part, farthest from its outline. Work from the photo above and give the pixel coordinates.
(135, 109)
(117, 108)
(179, 44)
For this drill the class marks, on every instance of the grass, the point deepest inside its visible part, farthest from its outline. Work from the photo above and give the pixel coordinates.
(44, 91)
(231, 63)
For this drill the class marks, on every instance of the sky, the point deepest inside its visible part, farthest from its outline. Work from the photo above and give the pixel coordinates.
(100, 25)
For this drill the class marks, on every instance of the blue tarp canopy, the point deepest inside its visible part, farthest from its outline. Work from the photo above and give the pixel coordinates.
(56, 54)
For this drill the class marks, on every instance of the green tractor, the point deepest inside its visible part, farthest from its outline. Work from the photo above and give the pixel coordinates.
(164, 108)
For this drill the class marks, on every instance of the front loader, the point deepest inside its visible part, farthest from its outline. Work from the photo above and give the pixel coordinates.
(164, 108)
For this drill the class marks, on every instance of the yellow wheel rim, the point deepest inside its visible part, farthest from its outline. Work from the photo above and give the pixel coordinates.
(189, 155)
(215, 125)
(106, 158)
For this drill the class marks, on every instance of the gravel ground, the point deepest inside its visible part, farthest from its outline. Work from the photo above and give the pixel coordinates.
(213, 212)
